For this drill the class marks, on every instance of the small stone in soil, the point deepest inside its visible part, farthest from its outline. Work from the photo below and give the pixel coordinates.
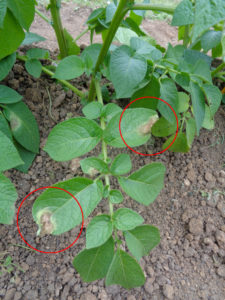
(196, 226)
(221, 271)
(168, 291)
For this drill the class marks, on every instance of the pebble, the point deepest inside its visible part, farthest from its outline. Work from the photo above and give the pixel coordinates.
(209, 177)
(75, 164)
(221, 208)
(10, 294)
(88, 296)
(168, 291)
(113, 289)
(187, 182)
(221, 271)
(220, 238)
(59, 100)
(148, 286)
(196, 226)
(17, 296)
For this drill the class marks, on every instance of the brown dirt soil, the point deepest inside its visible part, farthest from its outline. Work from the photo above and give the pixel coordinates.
(189, 263)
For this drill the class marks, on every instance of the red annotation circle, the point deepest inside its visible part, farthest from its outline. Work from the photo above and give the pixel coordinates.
(128, 107)
(50, 252)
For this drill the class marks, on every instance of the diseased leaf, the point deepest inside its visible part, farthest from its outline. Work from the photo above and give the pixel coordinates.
(23, 125)
(93, 264)
(125, 271)
(141, 240)
(145, 184)
(72, 138)
(8, 197)
(135, 127)
(99, 231)
(61, 209)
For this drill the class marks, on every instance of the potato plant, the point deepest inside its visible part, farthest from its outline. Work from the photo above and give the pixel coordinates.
(138, 67)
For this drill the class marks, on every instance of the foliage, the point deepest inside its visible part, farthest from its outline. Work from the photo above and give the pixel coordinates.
(137, 67)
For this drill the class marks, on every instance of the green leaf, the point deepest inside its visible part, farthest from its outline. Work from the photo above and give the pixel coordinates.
(125, 66)
(180, 144)
(121, 164)
(136, 18)
(124, 35)
(6, 65)
(210, 39)
(193, 56)
(125, 271)
(135, 127)
(141, 240)
(183, 103)
(31, 37)
(23, 11)
(163, 128)
(23, 125)
(93, 264)
(169, 94)
(27, 157)
(183, 14)
(9, 156)
(61, 209)
(110, 110)
(8, 197)
(207, 14)
(126, 219)
(33, 67)
(208, 122)
(110, 11)
(93, 165)
(152, 89)
(198, 102)
(4, 126)
(92, 110)
(99, 231)
(202, 69)
(72, 47)
(69, 68)
(145, 49)
(145, 184)
(115, 196)
(37, 53)
(190, 131)
(11, 35)
(92, 52)
(8, 95)
(213, 96)
(72, 138)
(183, 79)
(97, 13)
(3, 7)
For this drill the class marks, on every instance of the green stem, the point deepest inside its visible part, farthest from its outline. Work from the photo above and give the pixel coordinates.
(104, 145)
(186, 36)
(81, 34)
(154, 7)
(46, 19)
(64, 82)
(220, 77)
(118, 17)
(57, 25)
(219, 68)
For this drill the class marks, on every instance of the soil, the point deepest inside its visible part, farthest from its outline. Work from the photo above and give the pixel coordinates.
(189, 262)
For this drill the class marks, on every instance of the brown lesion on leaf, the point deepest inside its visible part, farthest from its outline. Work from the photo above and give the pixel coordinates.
(146, 128)
(14, 123)
(46, 225)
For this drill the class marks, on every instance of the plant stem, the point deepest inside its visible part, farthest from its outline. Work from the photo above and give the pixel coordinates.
(38, 12)
(153, 7)
(104, 145)
(186, 36)
(64, 82)
(57, 25)
(118, 17)
(219, 68)
(81, 34)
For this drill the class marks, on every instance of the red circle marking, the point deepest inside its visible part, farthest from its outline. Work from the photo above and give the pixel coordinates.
(50, 187)
(140, 152)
